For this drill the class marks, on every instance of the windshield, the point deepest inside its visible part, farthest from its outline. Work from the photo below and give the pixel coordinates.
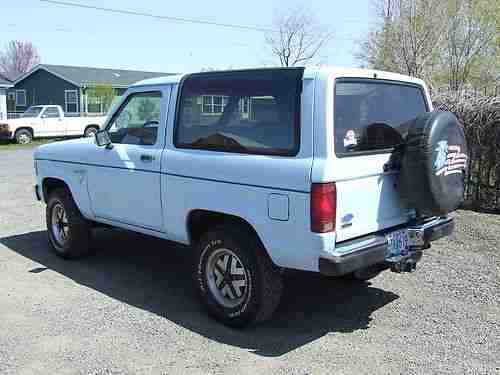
(32, 112)
(374, 115)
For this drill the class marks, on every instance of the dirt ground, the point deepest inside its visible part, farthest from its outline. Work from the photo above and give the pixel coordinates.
(131, 308)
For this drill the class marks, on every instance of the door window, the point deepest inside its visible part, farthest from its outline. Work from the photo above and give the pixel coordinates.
(137, 121)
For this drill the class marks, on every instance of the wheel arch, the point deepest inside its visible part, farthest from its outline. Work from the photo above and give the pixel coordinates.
(78, 192)
(92, 126)
(49, 184)
(199, 221)
(28, 128)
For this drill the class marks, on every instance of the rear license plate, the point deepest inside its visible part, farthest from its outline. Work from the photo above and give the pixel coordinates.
(398, 243)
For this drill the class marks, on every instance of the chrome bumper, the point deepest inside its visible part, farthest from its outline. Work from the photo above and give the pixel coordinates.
(371, 250)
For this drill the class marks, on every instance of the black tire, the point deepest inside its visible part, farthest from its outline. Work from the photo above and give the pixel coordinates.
(433, 164)
(78, 238)
(23, 136)
(90, 131)
(261, 295)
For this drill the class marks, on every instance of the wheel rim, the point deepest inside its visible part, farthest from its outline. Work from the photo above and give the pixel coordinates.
(60, 225)
(227, 278)
(90, 132)
(23, 138)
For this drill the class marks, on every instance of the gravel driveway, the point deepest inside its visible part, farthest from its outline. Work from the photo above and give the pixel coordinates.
(131, 309)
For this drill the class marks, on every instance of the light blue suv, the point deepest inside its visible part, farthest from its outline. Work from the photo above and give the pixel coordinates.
(337, 171)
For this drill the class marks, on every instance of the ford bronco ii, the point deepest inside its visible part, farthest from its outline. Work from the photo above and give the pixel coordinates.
(337, 171)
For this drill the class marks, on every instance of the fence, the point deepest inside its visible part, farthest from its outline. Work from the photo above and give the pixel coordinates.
(480, 117)
(14, 115)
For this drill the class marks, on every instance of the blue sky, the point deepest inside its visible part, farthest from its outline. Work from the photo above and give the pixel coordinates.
(83, 37)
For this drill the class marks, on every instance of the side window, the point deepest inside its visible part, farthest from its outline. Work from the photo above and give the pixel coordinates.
(21, 98)
(255, 112)
(137, 121)
(51, 112)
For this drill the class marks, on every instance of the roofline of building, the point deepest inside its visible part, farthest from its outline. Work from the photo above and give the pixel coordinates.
(82, 86)
(39, 67)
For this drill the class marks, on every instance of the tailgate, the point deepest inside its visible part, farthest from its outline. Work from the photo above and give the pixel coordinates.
(371, 117)
(367, 202)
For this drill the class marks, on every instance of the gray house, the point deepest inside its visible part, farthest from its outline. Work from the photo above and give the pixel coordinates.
(4, 85)
(70, 87)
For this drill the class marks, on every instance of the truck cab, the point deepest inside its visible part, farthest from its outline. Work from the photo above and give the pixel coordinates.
(330, 170)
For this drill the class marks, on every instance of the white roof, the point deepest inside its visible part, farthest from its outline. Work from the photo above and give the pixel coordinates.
(310, 71)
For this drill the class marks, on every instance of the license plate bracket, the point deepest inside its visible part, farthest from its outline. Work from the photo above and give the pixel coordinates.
(398, 243)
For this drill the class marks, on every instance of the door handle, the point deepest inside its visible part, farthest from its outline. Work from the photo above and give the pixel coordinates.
(147, 158)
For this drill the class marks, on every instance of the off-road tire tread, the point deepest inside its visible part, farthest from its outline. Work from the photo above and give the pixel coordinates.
(270, 281)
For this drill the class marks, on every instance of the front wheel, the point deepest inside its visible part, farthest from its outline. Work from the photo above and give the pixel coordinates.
(235, 278)
(68, 230)
(23, 136)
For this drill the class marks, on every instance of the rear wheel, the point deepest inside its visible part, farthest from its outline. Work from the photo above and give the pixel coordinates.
(235, 278)
(68, 230)
(23, 136)
(90, 131)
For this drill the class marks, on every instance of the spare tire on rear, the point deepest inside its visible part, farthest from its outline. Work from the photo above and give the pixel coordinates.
(433, 164)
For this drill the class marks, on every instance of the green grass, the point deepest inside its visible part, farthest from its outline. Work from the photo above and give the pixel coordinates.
(12, 145)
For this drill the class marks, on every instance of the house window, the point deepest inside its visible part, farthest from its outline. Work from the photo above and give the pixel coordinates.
(21, 98)
(214, 104)
(94, 104)
(71, 101)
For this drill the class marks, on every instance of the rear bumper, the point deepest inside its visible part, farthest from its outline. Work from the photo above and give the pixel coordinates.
(371, 250)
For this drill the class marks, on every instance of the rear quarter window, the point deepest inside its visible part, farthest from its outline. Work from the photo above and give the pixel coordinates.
(373, 116)
(254, 112)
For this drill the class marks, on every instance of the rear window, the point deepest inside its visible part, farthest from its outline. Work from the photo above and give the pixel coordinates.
(255, 112)
(373, 116)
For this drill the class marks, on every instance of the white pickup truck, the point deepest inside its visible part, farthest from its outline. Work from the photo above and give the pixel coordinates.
(48, 121)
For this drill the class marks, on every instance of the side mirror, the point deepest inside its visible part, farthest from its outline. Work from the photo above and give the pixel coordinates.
(102, 138)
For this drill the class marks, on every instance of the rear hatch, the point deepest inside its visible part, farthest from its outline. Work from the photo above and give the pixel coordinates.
(371, 117)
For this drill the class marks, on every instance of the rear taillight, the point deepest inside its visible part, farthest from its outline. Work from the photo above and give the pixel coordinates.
(323, 207)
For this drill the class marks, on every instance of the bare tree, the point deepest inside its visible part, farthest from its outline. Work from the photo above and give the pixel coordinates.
(450, 42)
(17, 58)
(471, 37)
(298, 38)
(406, 38)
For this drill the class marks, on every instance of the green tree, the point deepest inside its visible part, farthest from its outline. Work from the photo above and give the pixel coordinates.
(103, 92)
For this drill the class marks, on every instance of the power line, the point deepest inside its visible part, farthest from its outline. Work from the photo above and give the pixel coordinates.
(157, 16)
(178, 19)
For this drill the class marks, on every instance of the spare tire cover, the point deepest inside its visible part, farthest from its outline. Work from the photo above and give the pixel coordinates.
(433, 164)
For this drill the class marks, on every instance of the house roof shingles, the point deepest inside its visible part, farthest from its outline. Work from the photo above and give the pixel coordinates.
(83, 76)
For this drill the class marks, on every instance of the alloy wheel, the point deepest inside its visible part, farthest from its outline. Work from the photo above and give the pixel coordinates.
(227, 278)
(60, 225)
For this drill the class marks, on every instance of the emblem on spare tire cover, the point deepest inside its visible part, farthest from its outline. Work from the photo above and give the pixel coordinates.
(449, 159)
